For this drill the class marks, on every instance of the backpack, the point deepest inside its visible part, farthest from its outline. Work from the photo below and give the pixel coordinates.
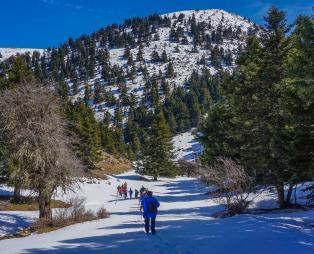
(152, 206)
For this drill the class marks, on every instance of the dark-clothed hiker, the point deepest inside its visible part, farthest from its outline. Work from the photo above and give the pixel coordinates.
(149, 205)
(130, 193)
(136, 193)
(142, 192)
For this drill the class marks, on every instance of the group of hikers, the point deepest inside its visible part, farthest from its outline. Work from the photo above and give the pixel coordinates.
(122, 191)
(148, 204)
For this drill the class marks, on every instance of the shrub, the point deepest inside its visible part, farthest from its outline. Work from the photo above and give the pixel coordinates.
(187, 168)
(102, 213)
(76, 213)
(234, 185)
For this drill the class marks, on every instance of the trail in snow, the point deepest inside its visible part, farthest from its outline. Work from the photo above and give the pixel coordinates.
(186, 146)
(184, 225)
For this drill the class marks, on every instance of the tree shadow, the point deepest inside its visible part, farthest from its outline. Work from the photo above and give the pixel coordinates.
(185, 186)
(5, 193)
(182, 198)
(132, 177)
(242, 234)
(10, 223)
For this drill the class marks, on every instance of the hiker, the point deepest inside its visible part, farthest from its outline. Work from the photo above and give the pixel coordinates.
(149, 205)
(118, 190)
(136, 193)
(143, 194)
(125, 193)
(142, 190)
(121, 191)
(125, 185)
(130, 193)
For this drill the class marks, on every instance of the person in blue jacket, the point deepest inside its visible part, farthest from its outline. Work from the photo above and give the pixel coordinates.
(149, 206)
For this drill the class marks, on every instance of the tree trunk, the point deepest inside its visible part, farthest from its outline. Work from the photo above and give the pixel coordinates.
(295, 194)
(281, 195)
(289, 195)
(17, 194)
(44, 203)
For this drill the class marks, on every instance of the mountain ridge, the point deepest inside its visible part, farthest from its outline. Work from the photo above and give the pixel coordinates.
(117, 64)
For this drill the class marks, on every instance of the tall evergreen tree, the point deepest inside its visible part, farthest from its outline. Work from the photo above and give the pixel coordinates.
(86, 128)
(164, 57)
(19, 72)
(296, 140)
(158, 150)
(247, 118)
(170, 71)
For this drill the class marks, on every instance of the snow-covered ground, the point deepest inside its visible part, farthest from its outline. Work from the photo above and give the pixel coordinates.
(8, 52)
(184, 225)
(186, 146)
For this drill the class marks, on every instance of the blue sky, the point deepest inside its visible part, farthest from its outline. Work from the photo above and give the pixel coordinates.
(43, 23)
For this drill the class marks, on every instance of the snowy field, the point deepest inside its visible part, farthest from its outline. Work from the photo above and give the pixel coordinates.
(184, 224)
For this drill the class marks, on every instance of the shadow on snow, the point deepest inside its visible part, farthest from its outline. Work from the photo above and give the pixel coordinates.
(241, 234)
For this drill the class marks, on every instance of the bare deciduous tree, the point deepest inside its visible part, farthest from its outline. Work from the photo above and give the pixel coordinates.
(32, 132)
(234, 185)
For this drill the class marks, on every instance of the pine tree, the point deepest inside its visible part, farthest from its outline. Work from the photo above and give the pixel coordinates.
(87, 94)
(165, 88)
(202, 60)
(164, 57)
(155, 56)
(130, 61)
(63, 90)
(170, 71)
(247, 121)
(86, 128)
(215, 57)
(18, 73)
(171, 120)
(139, 56)
(154, 93)
(127, 53)
(157, 154)
(118, 117)
(297, 103)
(98, 93)
(156, 37)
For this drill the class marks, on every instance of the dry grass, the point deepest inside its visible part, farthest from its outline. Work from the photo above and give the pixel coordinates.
(110, 164)
(27, 204)
(77, 213)
(72, 213)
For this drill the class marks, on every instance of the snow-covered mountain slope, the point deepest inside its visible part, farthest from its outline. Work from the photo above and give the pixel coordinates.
(215, 16)
(8, 52)
(185, 53)
(186, 146)
(184, 224)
